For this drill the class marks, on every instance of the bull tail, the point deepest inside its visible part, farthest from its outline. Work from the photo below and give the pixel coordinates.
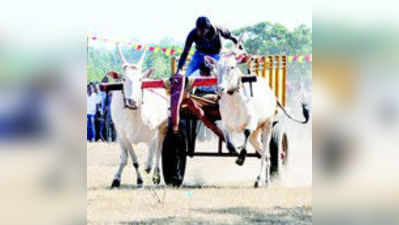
(305, 112)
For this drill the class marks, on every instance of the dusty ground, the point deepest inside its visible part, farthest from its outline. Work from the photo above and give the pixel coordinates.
(216, 191)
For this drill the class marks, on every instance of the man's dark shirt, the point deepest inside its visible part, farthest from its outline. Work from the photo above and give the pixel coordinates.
(211, 44)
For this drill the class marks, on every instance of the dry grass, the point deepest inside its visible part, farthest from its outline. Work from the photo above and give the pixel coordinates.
(216, 191)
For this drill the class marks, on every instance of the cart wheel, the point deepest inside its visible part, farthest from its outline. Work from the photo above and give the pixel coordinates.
(278, 150)
(174, 154)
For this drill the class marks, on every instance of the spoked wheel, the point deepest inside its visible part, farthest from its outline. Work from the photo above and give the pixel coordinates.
(174, 155)
(278, 150)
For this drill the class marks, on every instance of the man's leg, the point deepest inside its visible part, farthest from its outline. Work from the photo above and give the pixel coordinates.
(194, 63)
(101, 131)
(93, 129)
(107, 130)
(88, 128)
(216, 56)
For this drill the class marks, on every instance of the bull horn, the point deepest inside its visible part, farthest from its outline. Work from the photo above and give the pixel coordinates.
(141, 60)
(121, 54)
(241, 37)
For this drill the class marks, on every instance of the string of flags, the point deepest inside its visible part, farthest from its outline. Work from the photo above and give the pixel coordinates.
(169, 51)
(299, 58)
(176, 51)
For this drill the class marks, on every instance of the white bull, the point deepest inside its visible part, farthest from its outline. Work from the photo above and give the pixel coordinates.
(140, 116)
(251, 115)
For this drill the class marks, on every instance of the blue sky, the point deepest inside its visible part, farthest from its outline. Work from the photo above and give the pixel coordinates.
(147, 20)
(150, 21)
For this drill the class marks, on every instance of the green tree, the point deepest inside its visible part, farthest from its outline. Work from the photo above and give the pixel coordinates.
(274, 39)
(264, 38)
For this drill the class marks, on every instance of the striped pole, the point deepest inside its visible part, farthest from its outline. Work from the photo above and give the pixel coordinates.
(173, 65)
(277, 77)
(284, 81)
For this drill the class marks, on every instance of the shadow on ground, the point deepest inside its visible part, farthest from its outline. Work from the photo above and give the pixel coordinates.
(162, 187)
(240, 215)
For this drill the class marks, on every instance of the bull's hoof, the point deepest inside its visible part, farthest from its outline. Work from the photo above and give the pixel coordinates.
(148, 170)
(139, 183)
(115, 183)
(190, 154)
(156, 178)
(231, 148)
(241, 158)
(240, 162)
(256, 185)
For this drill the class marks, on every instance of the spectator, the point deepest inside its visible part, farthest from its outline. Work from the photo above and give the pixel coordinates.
(92, 101)
(98, 112)
(110, 132)
(101, 114)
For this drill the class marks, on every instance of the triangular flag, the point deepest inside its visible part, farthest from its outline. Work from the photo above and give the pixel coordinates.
(167, 51)
(300, 58)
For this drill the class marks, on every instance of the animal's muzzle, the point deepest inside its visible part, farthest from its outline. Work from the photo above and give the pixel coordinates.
(131, 104)
(231, 91)
(219, 90)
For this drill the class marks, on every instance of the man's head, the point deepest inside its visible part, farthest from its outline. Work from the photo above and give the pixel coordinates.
(203, 26)
(105, 79)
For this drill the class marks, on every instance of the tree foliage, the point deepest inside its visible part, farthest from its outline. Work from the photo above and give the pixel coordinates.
(260, 39)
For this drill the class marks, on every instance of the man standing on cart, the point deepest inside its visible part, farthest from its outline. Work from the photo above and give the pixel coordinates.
(208, 42)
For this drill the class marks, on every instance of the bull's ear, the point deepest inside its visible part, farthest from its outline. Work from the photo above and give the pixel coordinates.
(148, 73)
(115, 75)
(210, 60)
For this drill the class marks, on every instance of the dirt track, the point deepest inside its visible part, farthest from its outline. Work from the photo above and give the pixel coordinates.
(216, 191)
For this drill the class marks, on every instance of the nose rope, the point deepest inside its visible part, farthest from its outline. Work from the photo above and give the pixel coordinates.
(125, 102)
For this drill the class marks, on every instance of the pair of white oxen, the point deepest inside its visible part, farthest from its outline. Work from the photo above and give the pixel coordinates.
(145, 120)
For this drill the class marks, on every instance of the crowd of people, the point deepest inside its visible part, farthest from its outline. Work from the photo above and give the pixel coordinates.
(99, 122)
